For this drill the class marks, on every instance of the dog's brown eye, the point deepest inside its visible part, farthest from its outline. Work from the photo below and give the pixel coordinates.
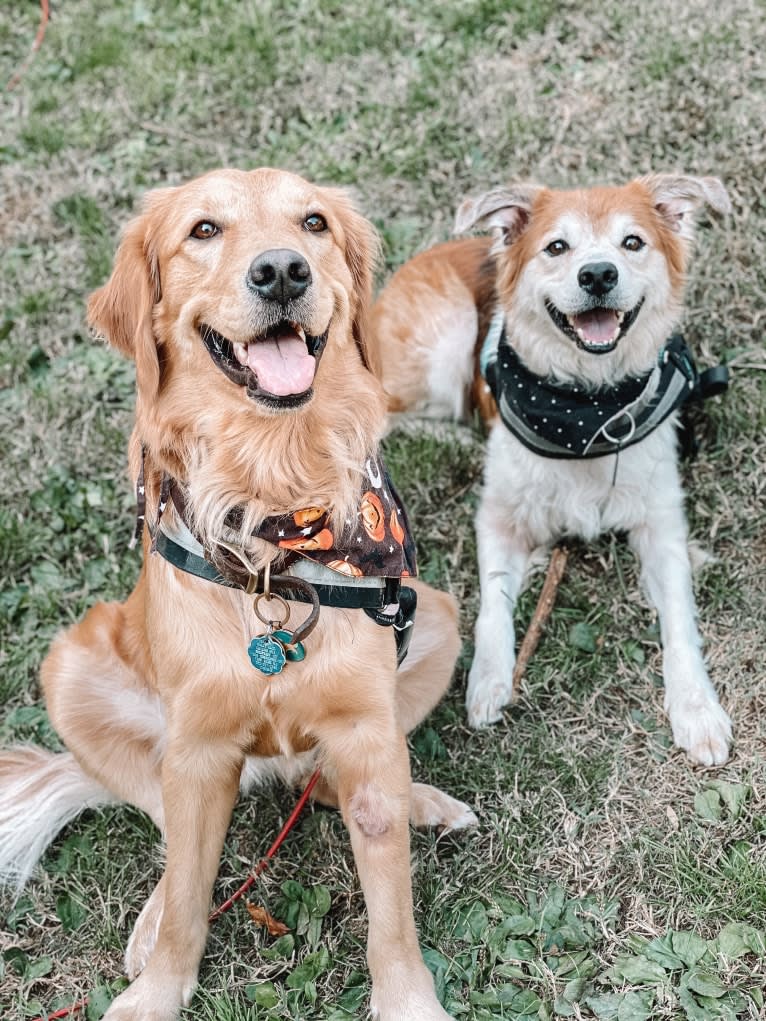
(633, 243)
(315, 223)
(557, 247)
(204, 230)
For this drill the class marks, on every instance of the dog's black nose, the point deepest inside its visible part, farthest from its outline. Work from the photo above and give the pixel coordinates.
(598, 278)
(279, 275)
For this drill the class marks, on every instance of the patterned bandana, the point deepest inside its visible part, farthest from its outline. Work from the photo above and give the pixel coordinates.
(375, 541)
(565, 421)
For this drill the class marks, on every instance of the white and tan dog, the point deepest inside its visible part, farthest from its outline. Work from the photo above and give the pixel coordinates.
(587, 286)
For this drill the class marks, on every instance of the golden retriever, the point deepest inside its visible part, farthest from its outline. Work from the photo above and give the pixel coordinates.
(569, 309)
(227, 291)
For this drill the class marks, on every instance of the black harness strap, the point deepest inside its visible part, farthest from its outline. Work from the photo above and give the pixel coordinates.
(564, 421)
(347, 597)
(373, 601)
(230, 571)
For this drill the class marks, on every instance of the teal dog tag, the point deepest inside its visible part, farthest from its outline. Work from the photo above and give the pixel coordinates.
(294, 651)
(267, 654)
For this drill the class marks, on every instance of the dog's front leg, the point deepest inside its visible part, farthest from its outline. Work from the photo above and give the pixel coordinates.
(700, 726)
(199, 786)
(373, 781)
(503, 557)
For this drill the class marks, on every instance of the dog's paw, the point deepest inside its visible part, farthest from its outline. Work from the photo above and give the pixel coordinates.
(703, 729)
(431, 807)
(128, 1007)
(407, 994)
(153, 998)
(144, 936)
(489, 691)
(417, 1013)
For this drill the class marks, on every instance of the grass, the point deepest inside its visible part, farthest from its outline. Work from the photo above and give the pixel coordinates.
(608, 878)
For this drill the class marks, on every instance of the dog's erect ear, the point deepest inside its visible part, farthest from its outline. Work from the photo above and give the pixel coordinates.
(362, 246)
(121, 310)
(677, 198)
(506, 210)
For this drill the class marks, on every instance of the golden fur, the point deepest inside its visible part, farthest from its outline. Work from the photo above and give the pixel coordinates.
(155, 698)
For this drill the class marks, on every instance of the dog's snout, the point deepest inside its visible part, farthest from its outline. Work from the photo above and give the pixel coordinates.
(279, 275)
(598, 278)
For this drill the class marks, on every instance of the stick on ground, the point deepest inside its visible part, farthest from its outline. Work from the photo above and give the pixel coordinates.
(542, 612)
(36, 44)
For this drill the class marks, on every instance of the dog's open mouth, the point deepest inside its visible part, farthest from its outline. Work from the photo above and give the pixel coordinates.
(597, 330)
(277, 367)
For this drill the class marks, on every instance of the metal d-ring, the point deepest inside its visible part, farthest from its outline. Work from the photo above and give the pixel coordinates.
(271, 622)
(620, 441)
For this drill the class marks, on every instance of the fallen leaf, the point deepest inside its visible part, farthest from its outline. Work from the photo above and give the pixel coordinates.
(309, 970)
(705, 983)
(738, 938)
(661, 950)
(708, 805)
(583, 637)
(637, 970)
(733, 795)
(520, 925)
(690, 948)
(261, 917)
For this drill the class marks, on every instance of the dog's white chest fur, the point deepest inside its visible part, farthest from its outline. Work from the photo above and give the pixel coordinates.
(548, 498)
(531, 501)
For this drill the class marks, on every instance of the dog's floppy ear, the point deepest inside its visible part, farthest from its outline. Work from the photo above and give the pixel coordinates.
(678, 197)
(362, 246)
(506, 210)
(121, 310)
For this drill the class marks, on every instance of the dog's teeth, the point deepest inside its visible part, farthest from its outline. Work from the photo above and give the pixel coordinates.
(300, 331)
(620, 315)
(240, 352)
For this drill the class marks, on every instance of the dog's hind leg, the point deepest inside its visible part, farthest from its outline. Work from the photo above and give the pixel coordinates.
(114, 727)
(700, 725)
(422, 679)
(143, 938)
(103, 710)
(113, 731)
(427, 670)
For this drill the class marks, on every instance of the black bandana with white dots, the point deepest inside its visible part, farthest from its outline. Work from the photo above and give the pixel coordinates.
(563, 420)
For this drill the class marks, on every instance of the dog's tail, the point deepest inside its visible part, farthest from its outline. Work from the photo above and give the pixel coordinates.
(40, 792)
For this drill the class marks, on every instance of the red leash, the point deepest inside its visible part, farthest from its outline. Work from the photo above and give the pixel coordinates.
(259, 868)
(66, 1011)
(264, 862)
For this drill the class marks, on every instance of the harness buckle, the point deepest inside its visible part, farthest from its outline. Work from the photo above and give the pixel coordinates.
(619, 440)
(682, 360)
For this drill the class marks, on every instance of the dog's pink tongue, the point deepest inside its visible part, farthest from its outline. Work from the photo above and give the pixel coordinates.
(599, 325)
(282, 364)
